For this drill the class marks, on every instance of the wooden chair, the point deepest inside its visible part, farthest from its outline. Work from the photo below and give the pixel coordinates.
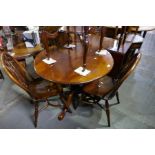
(113, 32)
(38, 89)
(127, 36)
(124, 33)
(107, 87)
(48, 39)
(132, 35)
(53, 38)
(120, 33)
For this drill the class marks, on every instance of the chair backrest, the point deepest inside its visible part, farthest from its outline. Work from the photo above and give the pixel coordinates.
(130, 30)
(54, 39)
(118, 58)
(46, 37)
(15, 71)
(125, 71)
(112, 32)
(121, 33)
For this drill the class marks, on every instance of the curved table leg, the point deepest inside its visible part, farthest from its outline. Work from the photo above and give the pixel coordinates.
(66, 106)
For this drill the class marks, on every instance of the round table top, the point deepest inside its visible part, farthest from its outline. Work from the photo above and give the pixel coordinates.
(20, 51)
(67, 60)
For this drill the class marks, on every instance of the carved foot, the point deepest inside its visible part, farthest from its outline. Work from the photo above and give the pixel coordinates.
(62, 114)
(66, 106)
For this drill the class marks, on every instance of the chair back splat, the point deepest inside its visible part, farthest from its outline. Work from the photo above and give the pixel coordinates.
(16, 71)
(125, 71)
(47, 39)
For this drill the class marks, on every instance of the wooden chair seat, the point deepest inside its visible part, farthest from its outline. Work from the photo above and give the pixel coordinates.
(42, 89)
(100, 87)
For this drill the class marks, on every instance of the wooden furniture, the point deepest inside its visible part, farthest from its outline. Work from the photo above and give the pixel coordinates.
(45, 38)
(67, 60)
(107, 87)
(133, 29)
(106, 32)
(117, 35)
(126, 35)
(110, 33)
(131, 35)
(21, 52)
(1, 75)
(52, 36)
(38, 89)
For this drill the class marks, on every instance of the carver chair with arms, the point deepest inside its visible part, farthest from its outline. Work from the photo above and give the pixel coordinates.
(107, 87)
(38, 89)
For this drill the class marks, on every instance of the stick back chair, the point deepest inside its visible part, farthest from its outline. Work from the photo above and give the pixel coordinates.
(131, 35)
(112, 32)
(38, 89)
(107, 87)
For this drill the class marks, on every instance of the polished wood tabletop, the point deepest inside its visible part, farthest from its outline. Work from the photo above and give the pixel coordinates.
(20, 51)
(67, 60)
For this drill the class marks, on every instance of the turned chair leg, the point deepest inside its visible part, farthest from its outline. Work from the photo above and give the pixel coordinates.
(1, 75)
(117, 97)
(36, 113)
(107, 112)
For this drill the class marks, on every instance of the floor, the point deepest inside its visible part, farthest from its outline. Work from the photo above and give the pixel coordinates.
(136, 110)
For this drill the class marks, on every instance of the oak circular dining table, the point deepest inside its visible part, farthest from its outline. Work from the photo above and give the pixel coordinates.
(67, 60)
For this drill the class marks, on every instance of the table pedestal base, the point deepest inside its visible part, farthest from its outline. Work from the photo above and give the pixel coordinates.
(67, 104)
